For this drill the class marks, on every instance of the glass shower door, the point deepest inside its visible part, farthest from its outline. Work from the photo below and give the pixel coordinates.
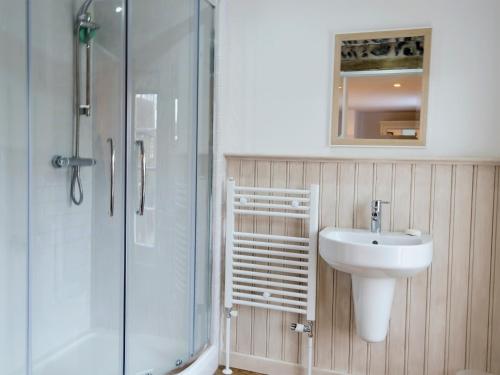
(162, 98)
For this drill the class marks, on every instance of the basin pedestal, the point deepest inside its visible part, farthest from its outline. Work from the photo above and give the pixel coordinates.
(372, 306)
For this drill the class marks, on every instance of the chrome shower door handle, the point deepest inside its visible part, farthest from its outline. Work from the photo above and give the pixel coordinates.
(111, 177)
(142, 156)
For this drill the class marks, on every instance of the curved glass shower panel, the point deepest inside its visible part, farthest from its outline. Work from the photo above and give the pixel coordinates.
(162, 89)
(77, 250)
(13, 188)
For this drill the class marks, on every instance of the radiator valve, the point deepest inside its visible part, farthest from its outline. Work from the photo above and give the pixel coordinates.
(302, 328)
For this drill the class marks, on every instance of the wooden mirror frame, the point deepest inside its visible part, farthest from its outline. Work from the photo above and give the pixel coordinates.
(335, 139)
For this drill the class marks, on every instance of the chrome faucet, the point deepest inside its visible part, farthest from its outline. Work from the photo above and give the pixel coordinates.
(376, 220)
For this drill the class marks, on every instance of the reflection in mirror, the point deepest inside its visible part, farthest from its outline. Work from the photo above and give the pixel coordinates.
(380, 88)
(145, 126)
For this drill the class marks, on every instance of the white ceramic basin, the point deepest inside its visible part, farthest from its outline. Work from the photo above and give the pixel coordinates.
(374, 261)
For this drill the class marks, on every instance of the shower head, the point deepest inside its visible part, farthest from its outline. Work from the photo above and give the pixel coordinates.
(82, 12)
(85, 27)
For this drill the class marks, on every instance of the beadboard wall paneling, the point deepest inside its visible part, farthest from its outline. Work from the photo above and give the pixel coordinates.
(444, 319)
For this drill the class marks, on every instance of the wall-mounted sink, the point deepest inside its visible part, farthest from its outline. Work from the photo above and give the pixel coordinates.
(375, 261)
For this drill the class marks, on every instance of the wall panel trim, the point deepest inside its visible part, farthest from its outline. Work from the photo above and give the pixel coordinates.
(326, 159)
(443, 319)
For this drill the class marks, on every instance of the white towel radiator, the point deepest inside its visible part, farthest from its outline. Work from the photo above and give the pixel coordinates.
(270, 271)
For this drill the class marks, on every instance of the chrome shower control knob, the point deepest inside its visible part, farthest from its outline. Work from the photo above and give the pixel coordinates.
(59, 162)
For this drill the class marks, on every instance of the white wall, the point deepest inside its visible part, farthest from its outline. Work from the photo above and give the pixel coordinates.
(276, 73)
(61, 231)
(13, 188)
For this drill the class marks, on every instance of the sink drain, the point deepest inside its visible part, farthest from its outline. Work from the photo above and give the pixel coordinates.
(374, 242)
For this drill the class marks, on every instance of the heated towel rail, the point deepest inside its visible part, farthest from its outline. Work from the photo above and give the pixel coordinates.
(276, 272)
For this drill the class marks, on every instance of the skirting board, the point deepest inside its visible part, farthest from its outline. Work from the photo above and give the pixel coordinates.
(270, 366)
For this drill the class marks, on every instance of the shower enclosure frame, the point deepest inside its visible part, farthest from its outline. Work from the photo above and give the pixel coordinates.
(207, 360)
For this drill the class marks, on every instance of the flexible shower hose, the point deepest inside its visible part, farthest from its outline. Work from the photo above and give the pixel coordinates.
(76, 182)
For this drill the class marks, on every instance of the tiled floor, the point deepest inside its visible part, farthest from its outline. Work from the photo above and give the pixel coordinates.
(238, 372)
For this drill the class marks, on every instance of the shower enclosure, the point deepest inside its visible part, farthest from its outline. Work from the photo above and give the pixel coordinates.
(105, 174)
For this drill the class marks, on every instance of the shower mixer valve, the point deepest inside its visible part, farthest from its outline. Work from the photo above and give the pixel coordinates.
(61, 161)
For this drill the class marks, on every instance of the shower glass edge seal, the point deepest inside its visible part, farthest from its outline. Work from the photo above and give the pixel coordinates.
(29, 369)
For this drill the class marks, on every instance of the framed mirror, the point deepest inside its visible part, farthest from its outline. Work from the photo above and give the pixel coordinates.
(380, 87)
